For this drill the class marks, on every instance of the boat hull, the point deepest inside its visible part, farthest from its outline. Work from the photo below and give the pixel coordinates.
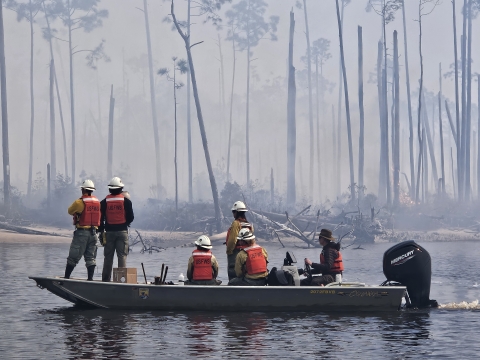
(111, 295)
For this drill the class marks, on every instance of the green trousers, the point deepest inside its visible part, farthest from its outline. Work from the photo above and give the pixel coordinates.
(83, 244)
(116, 241)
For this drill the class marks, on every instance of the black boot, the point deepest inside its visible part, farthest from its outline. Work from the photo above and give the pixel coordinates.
(68, 271)
(90, 271)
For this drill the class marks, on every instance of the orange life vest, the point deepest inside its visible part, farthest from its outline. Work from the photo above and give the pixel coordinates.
(115, 213)
(243, 225)
(202, 265)
(337, 266)
(256, 262)
(90, 215)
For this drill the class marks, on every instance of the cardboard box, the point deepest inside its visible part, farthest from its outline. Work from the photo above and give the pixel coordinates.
(125, 275)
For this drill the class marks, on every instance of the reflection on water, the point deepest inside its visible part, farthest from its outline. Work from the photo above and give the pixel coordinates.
(36, 323)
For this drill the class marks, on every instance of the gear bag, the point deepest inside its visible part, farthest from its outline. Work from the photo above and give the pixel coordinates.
(280, 278)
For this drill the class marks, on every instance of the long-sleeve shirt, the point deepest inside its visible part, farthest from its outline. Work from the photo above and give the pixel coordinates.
(330, 254)
(233, 233)
(241, 265)
(190, 267)
(77, 208)
(104, 226)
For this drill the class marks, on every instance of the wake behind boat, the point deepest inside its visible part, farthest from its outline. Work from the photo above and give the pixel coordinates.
(407, 266)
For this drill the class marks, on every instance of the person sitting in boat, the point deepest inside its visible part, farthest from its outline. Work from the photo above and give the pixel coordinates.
(202, 265)
(251, 262)
(234, 246)
(86, 218)
(331, 262)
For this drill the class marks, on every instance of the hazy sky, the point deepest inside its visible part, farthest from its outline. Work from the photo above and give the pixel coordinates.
(124, 33)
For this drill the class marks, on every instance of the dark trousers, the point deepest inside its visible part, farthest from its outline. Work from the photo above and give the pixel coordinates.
(244, 281)
(231, 264)
(318, 280)
(116, 241)
(203, 282)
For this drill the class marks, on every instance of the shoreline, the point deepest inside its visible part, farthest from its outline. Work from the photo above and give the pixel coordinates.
(182, 238)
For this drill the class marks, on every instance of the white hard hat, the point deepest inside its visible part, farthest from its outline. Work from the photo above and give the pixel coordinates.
(246, 235)
(115, 183)
(239, 206)
(88, 185)
(204, 242)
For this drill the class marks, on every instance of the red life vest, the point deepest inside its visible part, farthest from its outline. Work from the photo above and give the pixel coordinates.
(90, 215)
(337, 266)
(240, 244)
(115, 213)
(202, 265)
(256, 262)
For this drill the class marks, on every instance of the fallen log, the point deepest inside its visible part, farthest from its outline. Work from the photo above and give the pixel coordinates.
(27, 231)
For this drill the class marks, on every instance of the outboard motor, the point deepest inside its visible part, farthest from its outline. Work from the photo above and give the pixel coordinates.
(409, 264)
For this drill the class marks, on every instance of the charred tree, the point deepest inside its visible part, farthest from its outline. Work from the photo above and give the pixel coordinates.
(213, 184)
(291, 125)
(347, 106)
(53, 152)
(310, 101)
(49, 36)
(231, 109)
(442, 157)
(457, 97)
(361, 150)
(409, 104)
(152, 102)
(5, 147)
(382, 186)
(110, 135)
(468, 117)
(189, 116)
(396, 124)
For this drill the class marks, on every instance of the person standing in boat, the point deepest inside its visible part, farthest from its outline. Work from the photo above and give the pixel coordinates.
(202, 265)
(86, 218)
(117, 215)
(234, 246)
(251, 262)
(331, 262)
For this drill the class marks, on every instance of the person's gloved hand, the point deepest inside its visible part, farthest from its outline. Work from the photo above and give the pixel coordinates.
(103, 238)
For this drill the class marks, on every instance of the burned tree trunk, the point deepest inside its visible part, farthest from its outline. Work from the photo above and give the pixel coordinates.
(152, 102)
(231, 112)
(468, 117)
(5, 147)
(213, 184)
(110, 135)
(409, 103)
(59, 100)
(189, 117)
(457, 99)
(32, 107)
(310, 101)
(382, 188)
(361, 150)
(442, 157)
(396, 124)
(478, 142)
(53, 152)
(347, 107)
(291, 125)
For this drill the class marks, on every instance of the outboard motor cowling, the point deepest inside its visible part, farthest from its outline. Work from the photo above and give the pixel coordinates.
(410, 264)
